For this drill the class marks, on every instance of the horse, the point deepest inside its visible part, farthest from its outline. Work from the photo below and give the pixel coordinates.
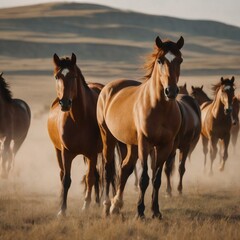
(202, 98)
(72, 126)
(235, 122)
(187, 138)
(15, 118)
(138, 114)
(216, 119)
(183, 89)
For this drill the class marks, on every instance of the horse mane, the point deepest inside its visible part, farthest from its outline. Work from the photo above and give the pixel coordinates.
(5, 91)
(150, 62)
(157, 53)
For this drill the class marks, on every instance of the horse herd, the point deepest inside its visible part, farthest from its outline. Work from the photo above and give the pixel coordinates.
(153, 117)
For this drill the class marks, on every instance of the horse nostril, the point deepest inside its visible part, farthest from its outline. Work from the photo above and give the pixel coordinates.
(70, 102)
(167, 91)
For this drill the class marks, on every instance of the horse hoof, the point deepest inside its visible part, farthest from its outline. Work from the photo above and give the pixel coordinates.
(61, 214)
(106, 208)
(168, 195)
(221, 169)
(157, 215)
(140, 217)
(114, 209)
(85, 206)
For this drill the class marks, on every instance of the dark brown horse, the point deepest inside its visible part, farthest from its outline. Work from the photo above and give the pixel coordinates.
(235, 122)
(15, 118)
(183, 89)
(72, 125)
(216, 119)
(187, 137)
(142, 115)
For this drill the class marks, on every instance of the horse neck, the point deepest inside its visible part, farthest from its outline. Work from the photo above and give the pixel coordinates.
(155, 90)
(80, 103)
(217, 106)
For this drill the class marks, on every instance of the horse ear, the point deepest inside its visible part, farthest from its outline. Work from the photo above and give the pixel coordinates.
(185, 85)
(73, 59)
(233, 78)
(56, 59)
(193, 88)
(180, 43)
(158, 42)
(1, 74)
(202, 87)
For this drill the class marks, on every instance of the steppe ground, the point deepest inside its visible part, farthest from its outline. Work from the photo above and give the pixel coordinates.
(208, 209)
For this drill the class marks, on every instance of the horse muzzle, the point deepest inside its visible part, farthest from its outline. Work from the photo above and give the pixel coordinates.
(65, 104)
(171, 92)
(227, 111)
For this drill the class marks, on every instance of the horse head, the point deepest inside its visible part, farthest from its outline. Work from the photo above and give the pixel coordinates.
(66, 80)
(227, 94)
(169, 60)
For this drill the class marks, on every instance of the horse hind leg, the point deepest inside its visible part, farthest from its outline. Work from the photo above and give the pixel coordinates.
(168, 172)
(92, 178)
(181, 169)
(127, 168)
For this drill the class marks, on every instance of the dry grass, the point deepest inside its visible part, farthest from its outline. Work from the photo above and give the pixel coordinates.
(207, 215)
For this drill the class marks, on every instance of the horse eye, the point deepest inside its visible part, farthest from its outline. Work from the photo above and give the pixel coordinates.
(56, 77)
(160, 61)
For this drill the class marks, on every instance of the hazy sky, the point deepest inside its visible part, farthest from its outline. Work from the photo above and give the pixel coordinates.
(227, 11)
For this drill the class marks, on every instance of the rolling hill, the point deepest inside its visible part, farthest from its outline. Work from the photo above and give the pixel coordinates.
(108, 41)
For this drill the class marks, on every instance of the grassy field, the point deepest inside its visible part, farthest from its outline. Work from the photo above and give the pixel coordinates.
(209, 214)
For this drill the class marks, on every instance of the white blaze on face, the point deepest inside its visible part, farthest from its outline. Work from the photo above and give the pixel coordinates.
(169, 56)
(65, 71)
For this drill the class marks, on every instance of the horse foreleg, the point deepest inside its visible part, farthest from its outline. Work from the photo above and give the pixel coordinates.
(225, 151)
(67, 158)
(143, 150)
(213, 153)
(127, 168)
(205, 150)
(168, 171)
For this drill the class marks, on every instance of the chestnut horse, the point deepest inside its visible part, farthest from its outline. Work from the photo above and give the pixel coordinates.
(72, 125)
(216, 119)
(15, 118)
(202, 97)
(142, 115)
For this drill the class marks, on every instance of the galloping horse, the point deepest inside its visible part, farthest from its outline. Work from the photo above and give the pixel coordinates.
(216, 119)
(235, 122)
(187, 137)
(142, 115)
(72, 125)
(15, 118)
(202, 98)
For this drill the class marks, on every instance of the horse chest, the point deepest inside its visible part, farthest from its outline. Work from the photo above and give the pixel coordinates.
(159, 130)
